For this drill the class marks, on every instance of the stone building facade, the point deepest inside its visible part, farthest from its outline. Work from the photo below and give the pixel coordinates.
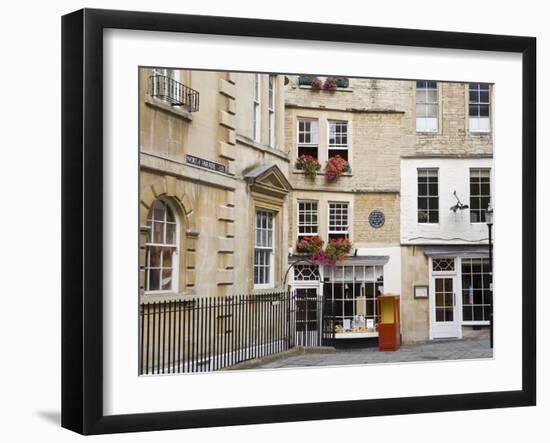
(446, 159)
(363, 123)
(223, 204)
(212, 168)
(397, 132)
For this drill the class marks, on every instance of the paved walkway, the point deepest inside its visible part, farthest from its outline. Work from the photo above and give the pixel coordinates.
(434, 350)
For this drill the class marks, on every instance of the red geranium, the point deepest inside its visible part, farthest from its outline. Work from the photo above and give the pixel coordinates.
(310, 244)
(335, 166)
(317, 83)
(308, 164)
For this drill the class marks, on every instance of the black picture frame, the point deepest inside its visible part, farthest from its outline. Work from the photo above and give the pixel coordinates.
(82, 218)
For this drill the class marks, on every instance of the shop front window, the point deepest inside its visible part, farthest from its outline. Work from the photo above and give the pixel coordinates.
(352, 291)
(476, 290)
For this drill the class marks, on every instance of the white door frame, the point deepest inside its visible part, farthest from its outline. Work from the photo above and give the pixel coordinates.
(455, 329)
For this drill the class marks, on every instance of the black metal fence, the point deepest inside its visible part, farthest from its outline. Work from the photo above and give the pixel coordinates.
(207, 334)
(174, 92)
(211, 333)
(313, 317)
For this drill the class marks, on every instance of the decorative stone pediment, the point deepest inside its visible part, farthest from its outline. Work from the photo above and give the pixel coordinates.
(268, 179)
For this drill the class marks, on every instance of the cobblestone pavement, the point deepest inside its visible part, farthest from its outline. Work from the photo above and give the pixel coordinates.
(434, 350)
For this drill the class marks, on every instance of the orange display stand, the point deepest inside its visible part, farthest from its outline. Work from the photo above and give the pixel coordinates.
(389, 324)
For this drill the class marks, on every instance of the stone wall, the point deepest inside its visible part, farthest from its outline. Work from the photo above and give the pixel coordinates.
(221, 214)
(414, 311)
(452, 137)
(365, 234)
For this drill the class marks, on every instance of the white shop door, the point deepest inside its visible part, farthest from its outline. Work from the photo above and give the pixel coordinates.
(443, 308)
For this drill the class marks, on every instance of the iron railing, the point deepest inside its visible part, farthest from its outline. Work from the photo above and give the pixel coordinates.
(173, 92)
(211, 333)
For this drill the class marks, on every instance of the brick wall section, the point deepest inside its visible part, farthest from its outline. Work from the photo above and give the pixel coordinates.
(364, 233)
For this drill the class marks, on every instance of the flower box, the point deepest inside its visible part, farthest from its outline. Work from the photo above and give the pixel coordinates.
(342, 82)
(335, 167)
(309, 164)
(305, 80)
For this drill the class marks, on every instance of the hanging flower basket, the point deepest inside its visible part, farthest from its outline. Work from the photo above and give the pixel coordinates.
(335, 167)
(337, 249)
(308, 164)
(309, 245)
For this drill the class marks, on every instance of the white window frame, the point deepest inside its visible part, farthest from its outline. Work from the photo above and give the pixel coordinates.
(428, 196)
(462, 289)
(353, 276)
(344, 147)
(478, 123)
(271, 249)
(175, 253)
(445, 271)
(313, 131)
(478, 196)
(271, 110)
(256, 118)
(343, 232)
(425, 123)
(299, 225)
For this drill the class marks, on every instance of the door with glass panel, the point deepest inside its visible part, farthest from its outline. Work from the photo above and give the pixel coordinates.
(444, 321)
(307, 313)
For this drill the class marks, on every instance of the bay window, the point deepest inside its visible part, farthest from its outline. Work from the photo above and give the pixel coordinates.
(353, 290)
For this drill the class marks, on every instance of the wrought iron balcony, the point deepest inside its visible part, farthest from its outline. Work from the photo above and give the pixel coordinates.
(173, 92)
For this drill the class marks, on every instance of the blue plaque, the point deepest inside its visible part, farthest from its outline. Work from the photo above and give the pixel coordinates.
(377, 219)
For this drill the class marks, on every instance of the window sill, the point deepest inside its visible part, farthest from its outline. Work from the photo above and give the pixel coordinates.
(349, 89)
(476, 323)
(344, 174)
(165, 106)
(484, 132)
(267, 290)
(164, 296)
